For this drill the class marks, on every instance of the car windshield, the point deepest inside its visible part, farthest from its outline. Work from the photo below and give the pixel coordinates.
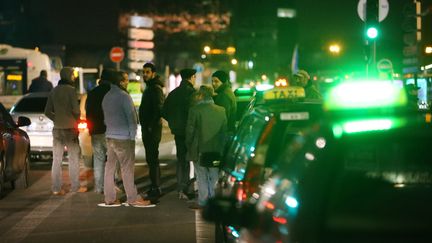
(33, 105)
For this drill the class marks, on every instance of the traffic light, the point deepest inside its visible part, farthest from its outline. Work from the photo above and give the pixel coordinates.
(372, 23)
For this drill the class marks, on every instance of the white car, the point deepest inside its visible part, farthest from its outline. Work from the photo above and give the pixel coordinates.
(32, 105)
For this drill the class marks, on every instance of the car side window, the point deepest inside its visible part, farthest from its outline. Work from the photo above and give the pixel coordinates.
(6, 118)
(243, 147)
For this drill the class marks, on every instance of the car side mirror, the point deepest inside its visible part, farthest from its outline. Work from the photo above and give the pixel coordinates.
(23, 121)
(229, 211)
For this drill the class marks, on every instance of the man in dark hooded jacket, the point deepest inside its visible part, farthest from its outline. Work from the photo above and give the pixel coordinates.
(150, 117)
(225, 97)
(97, 128)
(176, 111)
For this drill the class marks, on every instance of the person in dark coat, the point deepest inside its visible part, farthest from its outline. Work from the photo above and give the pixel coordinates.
(150, 117)
(175, 111)
(225, 97)
(205, 132)
(96, 126)
(41, 83)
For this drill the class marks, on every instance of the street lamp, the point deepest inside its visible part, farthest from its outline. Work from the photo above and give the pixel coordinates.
(334, 49)
(207, 49)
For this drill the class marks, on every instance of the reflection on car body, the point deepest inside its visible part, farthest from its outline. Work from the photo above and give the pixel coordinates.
(14, 151)
(251, 156)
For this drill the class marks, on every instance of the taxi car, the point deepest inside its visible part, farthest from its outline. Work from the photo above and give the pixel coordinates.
(243, 97)
(279, 114)
(360, 174)
(14, 151)
(32, 105)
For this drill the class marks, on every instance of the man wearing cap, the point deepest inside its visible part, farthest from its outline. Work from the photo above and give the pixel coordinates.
(151, 125)
(175, 110)
(225, 97)
(302, 79)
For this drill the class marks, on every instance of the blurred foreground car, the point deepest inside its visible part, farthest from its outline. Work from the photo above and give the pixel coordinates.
(264, 130)
(32, 105)
(14, 151)
(361, 174)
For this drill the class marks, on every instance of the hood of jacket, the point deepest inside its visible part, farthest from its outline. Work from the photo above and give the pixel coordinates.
(223, 87)
(65, 82)
(155, 81)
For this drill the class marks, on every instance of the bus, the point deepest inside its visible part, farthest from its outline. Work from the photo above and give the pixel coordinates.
(18, 67)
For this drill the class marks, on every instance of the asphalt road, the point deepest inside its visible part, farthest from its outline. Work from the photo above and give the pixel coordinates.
(34, 215)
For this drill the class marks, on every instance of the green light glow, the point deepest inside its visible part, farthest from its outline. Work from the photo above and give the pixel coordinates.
(365, 94)
(243, 90)
(366, 125)
(372, 32)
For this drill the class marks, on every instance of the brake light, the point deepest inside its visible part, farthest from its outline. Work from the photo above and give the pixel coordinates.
(82, 124)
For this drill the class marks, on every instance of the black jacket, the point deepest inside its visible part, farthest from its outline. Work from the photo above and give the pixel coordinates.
(176, 107)
(225, 97)
(150, 110)
(40, 84)
(94, 112)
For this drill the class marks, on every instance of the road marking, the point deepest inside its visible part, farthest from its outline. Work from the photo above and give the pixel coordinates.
(204, 231)
(145, 164)
(32, 220)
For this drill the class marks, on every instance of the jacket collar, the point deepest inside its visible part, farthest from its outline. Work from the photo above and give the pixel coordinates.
(155, 81)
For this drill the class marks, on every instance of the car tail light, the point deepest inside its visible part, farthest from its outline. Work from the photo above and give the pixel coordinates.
(82, 124)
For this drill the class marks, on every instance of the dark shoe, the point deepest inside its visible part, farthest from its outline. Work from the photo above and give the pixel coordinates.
(195, 206)
(153, 193)
(182, 195)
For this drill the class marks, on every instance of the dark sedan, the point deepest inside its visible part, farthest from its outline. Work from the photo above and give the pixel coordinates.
(14, 151)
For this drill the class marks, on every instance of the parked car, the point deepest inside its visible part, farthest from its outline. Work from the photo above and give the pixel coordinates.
(32, 105)
(14, 151)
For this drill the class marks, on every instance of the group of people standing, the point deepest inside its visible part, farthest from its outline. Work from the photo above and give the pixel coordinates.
(200, 120)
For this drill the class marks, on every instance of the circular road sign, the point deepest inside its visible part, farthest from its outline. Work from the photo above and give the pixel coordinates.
(383, 9)
(385, 65)
(117, 54)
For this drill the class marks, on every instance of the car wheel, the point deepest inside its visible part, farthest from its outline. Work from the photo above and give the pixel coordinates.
(220, 233)
(23, 179)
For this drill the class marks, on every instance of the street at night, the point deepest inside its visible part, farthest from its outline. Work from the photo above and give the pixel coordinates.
(277, 121)
(34, 215)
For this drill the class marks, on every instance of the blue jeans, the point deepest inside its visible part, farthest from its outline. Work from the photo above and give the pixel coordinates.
(207, 178)
(122, 151)
(68, 138)
(99, 157)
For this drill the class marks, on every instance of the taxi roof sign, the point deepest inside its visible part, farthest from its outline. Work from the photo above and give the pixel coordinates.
(365, 94)
(291, 92)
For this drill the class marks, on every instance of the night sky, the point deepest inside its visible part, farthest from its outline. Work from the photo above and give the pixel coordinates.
(92, 24)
